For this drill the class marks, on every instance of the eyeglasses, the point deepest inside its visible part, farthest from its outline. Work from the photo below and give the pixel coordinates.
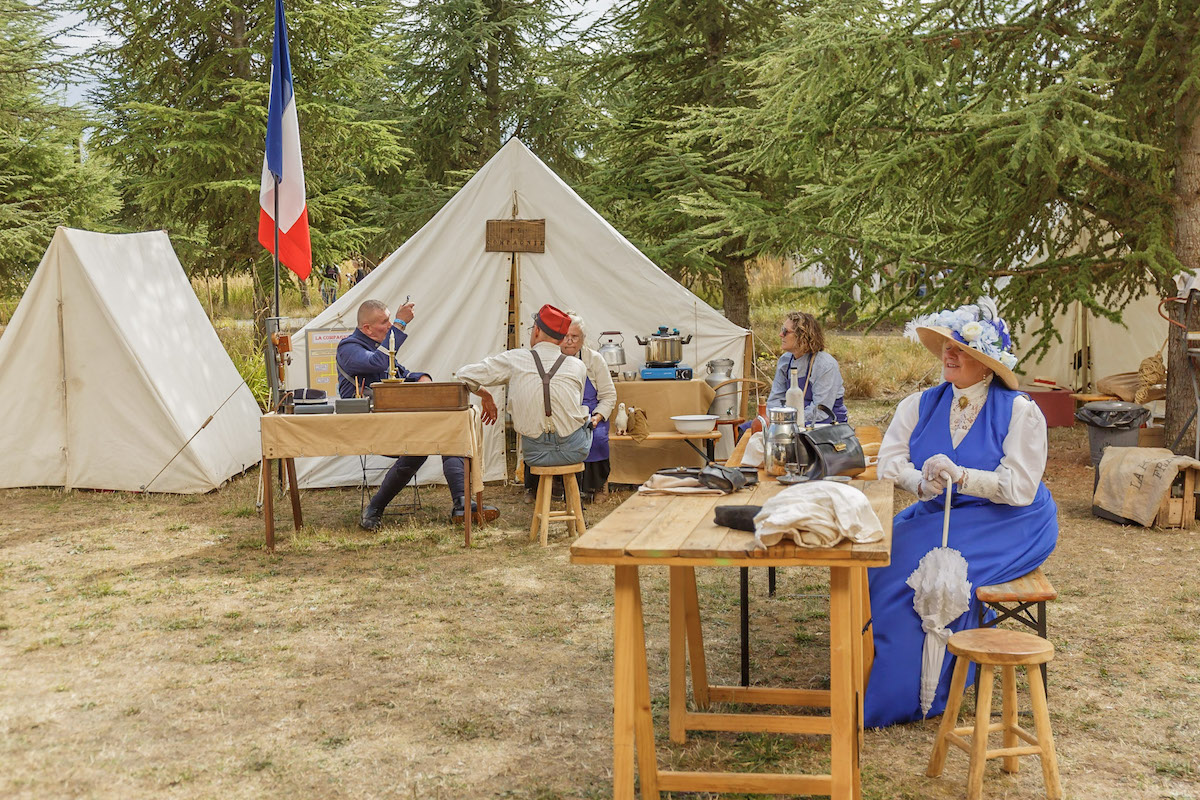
(570, 338)
(786, 332)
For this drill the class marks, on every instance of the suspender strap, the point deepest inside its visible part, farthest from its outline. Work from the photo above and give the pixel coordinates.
(546, 376)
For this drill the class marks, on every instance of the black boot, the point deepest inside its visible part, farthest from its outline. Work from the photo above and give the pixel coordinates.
(456, 513)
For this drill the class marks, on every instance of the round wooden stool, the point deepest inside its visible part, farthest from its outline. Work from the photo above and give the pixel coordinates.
(993, 647)
(543, 515)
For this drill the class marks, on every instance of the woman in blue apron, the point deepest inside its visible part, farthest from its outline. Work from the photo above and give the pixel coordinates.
(978, 432)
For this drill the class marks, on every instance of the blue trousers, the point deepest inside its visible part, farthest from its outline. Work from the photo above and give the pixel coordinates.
(406, 467)
(552, 450)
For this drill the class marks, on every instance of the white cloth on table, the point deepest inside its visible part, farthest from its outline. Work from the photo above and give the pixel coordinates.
(755, 454)
(817, 514)
(1014, 482)
(516, 368)
(668, 484)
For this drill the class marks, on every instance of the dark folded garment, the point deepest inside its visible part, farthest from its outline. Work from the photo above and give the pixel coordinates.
(738, 517)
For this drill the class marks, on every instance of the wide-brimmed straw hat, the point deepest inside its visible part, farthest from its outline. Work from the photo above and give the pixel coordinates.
(976, 329)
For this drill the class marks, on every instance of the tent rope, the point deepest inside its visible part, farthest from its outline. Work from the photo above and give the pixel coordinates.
(203, 425)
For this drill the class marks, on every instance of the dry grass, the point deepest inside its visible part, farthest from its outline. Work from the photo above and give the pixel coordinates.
(150, 648)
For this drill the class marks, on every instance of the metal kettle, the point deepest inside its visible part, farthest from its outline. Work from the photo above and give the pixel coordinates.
(612, 352)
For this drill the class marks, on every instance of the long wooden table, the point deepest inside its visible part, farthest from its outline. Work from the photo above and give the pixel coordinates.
(419, 433)
(679, 532)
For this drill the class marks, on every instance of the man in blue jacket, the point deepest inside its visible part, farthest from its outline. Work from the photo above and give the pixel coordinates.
(362, 359)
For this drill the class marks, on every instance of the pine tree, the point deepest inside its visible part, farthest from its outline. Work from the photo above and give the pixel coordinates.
(468, 75)
(185, 89)
(941, 146)
(666, 57)
(44, 182)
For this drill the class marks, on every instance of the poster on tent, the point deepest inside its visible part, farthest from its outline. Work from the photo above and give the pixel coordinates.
(322, 359)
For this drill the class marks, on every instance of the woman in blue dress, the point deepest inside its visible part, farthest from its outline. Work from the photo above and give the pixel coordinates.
(978, 432)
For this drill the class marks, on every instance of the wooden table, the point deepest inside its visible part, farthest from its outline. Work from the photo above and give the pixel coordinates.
(679, 532)
(443, 433)
(709, 438)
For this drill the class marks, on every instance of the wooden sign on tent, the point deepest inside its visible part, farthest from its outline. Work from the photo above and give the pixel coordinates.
(515, 236)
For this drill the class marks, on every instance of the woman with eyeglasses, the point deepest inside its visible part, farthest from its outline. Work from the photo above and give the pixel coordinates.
(818, 374)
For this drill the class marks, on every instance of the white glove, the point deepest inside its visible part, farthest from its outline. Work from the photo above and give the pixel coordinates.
(929, 489)
(939, 467)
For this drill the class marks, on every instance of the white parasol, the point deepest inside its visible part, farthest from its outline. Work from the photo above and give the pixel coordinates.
(942, 594)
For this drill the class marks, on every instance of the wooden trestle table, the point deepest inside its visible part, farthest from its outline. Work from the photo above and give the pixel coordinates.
(679, 532)
(397, 433)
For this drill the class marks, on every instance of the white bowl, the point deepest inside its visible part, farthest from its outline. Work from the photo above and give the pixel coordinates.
(695, 423)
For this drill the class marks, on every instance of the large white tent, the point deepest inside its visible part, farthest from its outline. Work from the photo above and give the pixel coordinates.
(113, 377)
(462, 293)
(1092, 346)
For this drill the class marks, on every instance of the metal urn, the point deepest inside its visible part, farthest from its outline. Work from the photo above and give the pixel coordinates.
(781, 442)
(725, 403)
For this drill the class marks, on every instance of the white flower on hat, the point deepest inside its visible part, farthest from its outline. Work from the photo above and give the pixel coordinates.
(971, 331)
(1008, 360)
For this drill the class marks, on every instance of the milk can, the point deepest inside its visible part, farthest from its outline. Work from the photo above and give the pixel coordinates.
(725, 404)
(781, 442)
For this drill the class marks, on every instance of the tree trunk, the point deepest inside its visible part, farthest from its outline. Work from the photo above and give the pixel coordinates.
(225, 292)
(735, 290)
(1180, 401)
(491, 89)
(304, 301)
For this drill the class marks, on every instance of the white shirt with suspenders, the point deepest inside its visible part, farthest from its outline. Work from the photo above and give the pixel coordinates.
(526, 396)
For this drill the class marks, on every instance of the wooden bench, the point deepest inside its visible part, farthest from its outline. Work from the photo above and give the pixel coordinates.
(1023, 599)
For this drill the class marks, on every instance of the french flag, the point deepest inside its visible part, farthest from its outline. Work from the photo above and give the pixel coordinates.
(282, 164)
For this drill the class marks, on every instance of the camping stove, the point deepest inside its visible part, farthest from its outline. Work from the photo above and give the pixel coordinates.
(678, 372)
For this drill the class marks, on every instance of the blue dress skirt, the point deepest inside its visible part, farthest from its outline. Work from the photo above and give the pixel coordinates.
(999, 542)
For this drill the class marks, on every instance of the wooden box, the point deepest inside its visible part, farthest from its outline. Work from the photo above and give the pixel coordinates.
(416, 396)
(1180, 512)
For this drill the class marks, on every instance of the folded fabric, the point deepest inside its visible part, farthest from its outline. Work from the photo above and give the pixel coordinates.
(1134, 480)
(666, 484)
(639, 428)
(817, 514)
(755, 455)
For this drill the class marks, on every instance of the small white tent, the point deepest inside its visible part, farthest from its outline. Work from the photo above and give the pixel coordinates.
(1093, 347)
(462, 293)
(111, 371)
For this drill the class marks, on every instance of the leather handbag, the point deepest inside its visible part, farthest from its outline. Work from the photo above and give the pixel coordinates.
(832, 450)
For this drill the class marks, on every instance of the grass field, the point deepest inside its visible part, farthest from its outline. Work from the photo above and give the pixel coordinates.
(149, 648)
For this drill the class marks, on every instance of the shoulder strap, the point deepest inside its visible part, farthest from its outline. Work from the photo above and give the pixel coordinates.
(546, 376)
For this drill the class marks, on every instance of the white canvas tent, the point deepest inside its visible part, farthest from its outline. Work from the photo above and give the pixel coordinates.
(461, 292)
(109, 370)
(1093, 347)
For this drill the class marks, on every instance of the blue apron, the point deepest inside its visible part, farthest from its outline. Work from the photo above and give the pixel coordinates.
(999, 542)
(599, 451)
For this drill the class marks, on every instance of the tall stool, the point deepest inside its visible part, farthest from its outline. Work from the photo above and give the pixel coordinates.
(994, 647)
(543, 515)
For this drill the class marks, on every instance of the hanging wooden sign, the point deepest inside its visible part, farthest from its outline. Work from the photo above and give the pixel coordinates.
(516, 236)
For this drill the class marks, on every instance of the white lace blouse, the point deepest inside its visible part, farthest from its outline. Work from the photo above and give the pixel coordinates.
(1014, 482)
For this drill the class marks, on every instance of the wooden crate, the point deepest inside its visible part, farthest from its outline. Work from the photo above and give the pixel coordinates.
(416, 396)
(1180, 512)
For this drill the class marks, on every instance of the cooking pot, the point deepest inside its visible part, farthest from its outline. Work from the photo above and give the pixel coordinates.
(612, 352)
(664, 348)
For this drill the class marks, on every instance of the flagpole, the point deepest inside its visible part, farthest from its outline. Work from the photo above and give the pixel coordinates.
(276, 221)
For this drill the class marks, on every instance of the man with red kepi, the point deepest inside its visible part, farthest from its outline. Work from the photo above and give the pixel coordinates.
(545, 388)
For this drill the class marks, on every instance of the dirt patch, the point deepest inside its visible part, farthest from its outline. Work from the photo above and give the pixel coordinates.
(150, 648)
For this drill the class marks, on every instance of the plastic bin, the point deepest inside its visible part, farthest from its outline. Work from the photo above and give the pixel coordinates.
(1111, 423)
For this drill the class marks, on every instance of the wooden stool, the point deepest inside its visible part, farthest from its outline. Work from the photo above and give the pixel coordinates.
(542, 515)
(992, 647)
(1030, 592)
